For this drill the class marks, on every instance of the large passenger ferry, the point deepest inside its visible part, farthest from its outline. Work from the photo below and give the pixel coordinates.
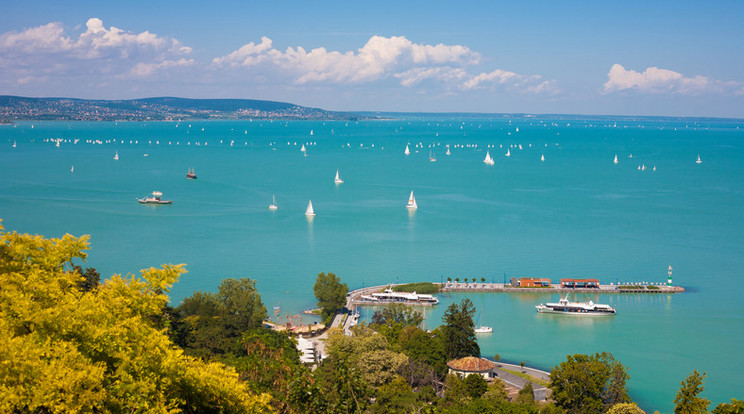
(576, 308)
(411, 298)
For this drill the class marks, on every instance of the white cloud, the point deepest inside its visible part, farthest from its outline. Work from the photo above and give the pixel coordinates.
(379, 58)
(98, 50)
(655, 80)
(506, 79)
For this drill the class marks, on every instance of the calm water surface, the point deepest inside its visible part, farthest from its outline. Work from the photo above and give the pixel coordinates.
(574, 215)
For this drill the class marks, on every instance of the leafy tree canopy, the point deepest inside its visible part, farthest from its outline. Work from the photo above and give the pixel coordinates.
(331, 295)
(459, 330)
(65, 349)
(214, 322)
(688, 400)
(734, 407)
(589, 383)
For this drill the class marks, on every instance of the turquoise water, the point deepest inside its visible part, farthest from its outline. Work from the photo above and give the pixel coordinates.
(574, 215)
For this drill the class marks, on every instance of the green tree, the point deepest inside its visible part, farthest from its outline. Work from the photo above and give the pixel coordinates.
(526, 395)
(475, 385)
(331, 295)
(625, 408)
(483, 280)
(688, 400)
(424, 347)
(496, 391)
(734, 407)
(69, 350)
(91, 278)
(342, 386)
(581, 383)
(214, 323)
(392, 318)
(459, 330)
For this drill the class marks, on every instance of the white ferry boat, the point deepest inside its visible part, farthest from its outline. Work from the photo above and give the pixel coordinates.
(389, 296)
(576, 308)
(484, 329)
(155, 198)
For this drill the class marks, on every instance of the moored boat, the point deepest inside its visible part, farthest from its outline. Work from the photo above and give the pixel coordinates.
(564, 306)
(483, 329)
(191, 175)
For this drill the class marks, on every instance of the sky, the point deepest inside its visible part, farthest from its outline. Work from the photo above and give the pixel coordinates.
(666, 58)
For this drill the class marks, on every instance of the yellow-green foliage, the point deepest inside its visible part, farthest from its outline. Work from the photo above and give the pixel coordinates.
(65, 350)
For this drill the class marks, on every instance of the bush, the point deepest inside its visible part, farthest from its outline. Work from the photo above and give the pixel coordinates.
(426, 288)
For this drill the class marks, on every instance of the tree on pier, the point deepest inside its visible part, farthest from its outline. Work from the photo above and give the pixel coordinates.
(331, 295)
(459, 330)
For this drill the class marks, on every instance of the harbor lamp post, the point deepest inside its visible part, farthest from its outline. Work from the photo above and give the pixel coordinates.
(669, 278)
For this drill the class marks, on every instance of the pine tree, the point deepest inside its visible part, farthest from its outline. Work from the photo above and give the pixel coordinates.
(687, 400)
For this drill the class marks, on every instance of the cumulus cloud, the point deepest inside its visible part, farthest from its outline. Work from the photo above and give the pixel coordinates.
(97, 50)
(379, 58)
(655, 80)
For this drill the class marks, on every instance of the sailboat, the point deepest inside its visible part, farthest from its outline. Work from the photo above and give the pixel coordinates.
(542, 157)
(72, 169)
(309, 211)
(338, 179)
(508, 154)
(116, 156)
(448, 150)
(311, 132)
(273, 206)
(14, 144)
(303, 148)
(699, 161)
(407, 151)
(615, 161)
(488, 160)
(411, 202)
(191, 175)
(432, 157)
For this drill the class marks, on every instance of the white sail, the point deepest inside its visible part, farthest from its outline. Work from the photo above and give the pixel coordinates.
(508, 154)
(303, 148)
(411, 202)
(72, 169)
(699, 161)
(116, 156)
(273, 205)
(448, 150)
(311, 132)
(338, 179)
(488, 160)
(615, 161)
(14, 144)
(432, 157)
(407, 151)
(309, 211)
(542, 157)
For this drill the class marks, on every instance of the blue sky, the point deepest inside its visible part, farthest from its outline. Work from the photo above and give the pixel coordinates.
(625, 58)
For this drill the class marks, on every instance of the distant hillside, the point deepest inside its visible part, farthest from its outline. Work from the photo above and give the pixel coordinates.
(162, 108)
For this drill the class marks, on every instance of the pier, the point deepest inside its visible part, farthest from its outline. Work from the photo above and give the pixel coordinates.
(555, 287)
(354, 298)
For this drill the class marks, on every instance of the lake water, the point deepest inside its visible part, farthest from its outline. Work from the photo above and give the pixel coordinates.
(576, 214)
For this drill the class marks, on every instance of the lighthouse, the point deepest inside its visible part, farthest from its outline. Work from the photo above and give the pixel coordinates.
(669, 277)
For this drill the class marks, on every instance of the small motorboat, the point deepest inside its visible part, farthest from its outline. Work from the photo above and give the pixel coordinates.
(155, 198)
